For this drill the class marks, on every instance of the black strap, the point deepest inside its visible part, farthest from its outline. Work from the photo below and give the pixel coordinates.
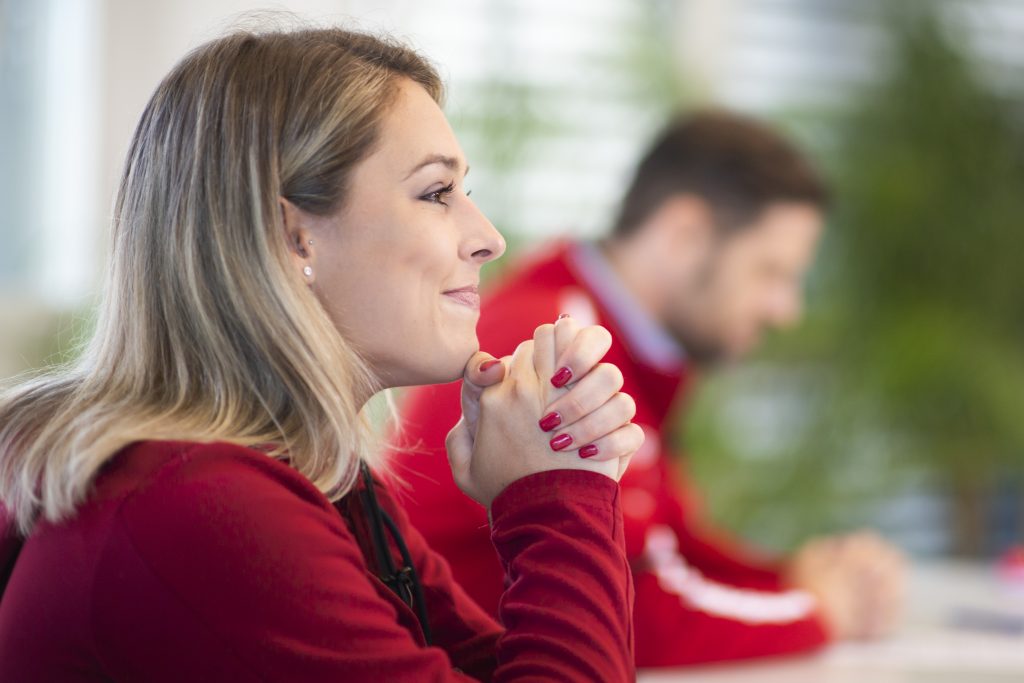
(10, 547)
(404, 582)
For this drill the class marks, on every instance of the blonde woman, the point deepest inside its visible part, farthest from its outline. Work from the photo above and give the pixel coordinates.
(191, 500)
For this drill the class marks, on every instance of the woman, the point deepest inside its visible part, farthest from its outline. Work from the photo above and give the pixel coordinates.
(190, 502)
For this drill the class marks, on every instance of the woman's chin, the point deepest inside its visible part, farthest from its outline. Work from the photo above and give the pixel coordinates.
(439, 376)
(442, 370)
(460, 358)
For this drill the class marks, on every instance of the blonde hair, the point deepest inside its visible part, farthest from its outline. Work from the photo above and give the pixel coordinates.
(206, 333)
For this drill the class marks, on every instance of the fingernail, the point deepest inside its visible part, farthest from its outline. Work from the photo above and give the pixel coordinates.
(561, 315)
(550, 421)
(561, 378)
(561, 441)
(588, 451)
(488, 364)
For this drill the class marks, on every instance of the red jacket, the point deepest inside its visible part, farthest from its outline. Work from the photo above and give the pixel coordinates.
(700, 597)
(193, 562)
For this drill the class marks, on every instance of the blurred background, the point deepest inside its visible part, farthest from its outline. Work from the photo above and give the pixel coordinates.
(898, 403)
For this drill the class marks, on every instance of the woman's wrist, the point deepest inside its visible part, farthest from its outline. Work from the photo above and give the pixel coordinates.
(570, 485)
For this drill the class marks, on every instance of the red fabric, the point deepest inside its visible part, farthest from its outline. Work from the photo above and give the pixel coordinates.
(674, 627)
(213, 562)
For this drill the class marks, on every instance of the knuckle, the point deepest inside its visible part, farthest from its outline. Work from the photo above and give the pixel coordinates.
(616, 446)
(602, 333)
(612, 374)
(599, 337)
(546, 328)
(520, 392)
(490, 398)
(574, 406)
(628, 404)
(636, 436)
(513, 389)
(567, 325)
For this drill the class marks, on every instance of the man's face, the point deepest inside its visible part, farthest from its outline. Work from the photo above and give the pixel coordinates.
(752, 280)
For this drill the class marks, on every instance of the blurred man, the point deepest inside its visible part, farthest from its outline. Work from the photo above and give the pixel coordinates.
(709, 250)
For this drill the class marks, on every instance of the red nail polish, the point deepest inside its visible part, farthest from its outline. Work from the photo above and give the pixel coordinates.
(550, 421)
(488, 364)
(561, 378)
(560, 442)
(588, 451)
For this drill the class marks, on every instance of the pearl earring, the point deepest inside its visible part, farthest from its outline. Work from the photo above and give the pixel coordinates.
(308, 271)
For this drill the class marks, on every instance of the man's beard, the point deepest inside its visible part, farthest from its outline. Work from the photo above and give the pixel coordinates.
(701, 349)
(703, 352)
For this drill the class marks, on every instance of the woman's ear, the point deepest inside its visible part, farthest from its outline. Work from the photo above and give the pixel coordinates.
(298, 239)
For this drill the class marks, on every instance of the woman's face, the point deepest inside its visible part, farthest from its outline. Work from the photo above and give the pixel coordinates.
(397, 268)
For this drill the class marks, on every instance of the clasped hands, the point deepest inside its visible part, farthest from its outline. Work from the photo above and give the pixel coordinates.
(859, 580)
(551, 405)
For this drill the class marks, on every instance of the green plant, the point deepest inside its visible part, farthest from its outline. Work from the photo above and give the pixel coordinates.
(915, 336)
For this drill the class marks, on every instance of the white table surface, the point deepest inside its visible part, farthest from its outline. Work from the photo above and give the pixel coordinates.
(927, 647)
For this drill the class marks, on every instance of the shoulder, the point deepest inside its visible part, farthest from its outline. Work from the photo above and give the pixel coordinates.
(192, 486)
(240, 555)
(219, 509)
(182, 471)
(219, 524)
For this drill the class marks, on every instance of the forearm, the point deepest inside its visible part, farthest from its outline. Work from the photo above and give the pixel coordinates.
(568, 607)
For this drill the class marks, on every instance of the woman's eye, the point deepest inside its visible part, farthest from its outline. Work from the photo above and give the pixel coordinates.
(438, 196)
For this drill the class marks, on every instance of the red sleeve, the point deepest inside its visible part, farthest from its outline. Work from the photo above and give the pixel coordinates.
(230, 566)
(695, 601)
(713, 551)
(674, 629)
(567, 609)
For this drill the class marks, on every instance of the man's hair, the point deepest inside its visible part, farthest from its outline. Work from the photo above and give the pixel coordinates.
(737, 165)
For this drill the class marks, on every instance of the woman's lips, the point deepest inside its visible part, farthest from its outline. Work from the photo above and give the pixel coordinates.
(467, 296)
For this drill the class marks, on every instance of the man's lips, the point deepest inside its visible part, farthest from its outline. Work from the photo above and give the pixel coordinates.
(467, 296)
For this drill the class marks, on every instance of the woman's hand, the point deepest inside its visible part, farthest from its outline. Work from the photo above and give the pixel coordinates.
(551, 405)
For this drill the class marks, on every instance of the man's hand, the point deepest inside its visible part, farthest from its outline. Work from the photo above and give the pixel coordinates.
(858, 579)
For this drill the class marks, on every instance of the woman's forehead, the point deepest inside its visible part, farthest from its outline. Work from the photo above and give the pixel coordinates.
(415, 134)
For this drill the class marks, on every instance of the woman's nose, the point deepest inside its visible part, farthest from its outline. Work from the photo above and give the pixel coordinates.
(482, 242)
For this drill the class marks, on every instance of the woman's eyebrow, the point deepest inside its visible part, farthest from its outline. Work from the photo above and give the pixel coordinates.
(449, 162)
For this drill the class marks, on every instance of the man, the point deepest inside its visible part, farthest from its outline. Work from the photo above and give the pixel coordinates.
(709, 249)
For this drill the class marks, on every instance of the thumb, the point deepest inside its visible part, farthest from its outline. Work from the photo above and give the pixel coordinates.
(482, 370)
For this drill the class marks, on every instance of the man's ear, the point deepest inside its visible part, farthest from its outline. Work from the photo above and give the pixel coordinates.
(296, 225)
(686, 222)
(682, 240)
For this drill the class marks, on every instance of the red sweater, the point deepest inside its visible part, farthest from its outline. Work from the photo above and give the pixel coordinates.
(193, 562)
(700, 596)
